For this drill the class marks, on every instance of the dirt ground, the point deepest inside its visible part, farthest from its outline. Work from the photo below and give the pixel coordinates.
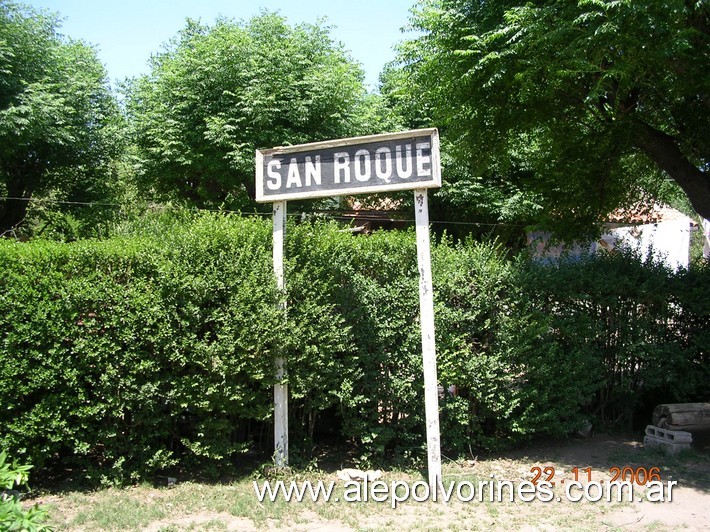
(233, 506)
(690, 506)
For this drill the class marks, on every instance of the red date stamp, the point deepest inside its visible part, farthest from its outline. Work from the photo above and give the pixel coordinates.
(638, 475)
(635, 475)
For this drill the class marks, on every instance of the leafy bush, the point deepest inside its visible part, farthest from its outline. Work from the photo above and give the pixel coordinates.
(494, 346)
(642, 330)
(372, 286)
(12, 516)
(156, 347)
(125, 352)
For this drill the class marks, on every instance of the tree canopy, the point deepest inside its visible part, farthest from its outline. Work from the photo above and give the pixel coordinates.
(574, 107)
(58, 117)
(217, 93)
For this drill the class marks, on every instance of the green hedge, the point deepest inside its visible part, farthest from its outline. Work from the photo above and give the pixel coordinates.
(155, 348)
(643, 331)
(119, 353)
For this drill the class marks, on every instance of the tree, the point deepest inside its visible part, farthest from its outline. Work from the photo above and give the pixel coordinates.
(580, 106)
(217, 93)
(58, 118)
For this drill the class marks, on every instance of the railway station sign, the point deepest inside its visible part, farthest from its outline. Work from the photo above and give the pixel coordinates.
(405, 160)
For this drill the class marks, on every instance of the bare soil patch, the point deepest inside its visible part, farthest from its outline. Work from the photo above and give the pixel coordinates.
(690, 506)
(234, 506)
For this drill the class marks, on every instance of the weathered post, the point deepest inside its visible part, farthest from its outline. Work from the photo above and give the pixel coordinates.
(280, 388)
(426, 312)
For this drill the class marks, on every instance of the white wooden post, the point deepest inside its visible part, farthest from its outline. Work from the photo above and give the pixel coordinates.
(426, 311)
(280, 388)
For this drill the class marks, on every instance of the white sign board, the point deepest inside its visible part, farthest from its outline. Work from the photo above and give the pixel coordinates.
(361, 165)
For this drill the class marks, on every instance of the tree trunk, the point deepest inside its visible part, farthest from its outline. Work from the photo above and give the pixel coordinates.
(12, 211)
(663, 150)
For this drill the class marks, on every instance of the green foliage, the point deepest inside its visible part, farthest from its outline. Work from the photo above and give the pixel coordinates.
(494, 349)
(216, 93)
(59, 123)
(155, 348)
(572, 108)
(512, 337)
(642, 330)
(12, 516)
(127, 351)
(371, 283)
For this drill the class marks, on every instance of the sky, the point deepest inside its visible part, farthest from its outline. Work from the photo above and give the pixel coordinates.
(126, 32)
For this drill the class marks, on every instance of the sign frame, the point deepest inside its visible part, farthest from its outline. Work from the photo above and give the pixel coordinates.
(434, 182)
(426, 297)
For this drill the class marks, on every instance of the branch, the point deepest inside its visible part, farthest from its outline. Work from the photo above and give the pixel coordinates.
(663, 150)
(698, 16)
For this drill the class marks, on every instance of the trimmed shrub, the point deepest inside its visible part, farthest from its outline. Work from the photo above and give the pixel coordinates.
(494, 346)
(640, 329)
(120, 353)
(371, 284)
(155, 348)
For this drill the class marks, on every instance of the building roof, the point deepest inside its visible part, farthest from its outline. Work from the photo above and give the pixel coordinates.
(641, 214)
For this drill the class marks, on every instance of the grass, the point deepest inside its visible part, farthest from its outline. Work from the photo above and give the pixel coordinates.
(233, 505)
(215, 507)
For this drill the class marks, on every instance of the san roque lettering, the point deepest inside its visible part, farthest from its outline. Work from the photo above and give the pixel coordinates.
(399, 161)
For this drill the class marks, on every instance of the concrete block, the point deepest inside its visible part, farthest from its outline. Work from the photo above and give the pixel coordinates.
(678, 436)
(672, 441)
